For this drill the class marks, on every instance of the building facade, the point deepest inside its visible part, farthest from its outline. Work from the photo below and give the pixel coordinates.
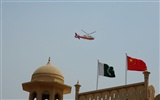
(47, 83)
(136, 91)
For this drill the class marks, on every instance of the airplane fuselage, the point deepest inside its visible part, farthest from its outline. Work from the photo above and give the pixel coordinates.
(84, 37)
(87, 37)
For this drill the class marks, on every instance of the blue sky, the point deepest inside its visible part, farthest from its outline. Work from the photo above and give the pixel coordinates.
(32, 31)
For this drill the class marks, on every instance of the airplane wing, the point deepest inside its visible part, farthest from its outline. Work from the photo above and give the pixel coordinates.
(84, 32)
(93, 32)
(88, 33)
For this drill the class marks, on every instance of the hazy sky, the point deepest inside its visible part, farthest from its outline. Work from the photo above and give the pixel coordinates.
(33, 30)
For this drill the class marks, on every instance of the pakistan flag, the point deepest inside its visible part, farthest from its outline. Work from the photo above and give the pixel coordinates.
(105, 70)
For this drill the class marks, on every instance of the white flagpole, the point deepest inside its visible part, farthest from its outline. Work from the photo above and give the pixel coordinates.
(126, 70)
(97, 75)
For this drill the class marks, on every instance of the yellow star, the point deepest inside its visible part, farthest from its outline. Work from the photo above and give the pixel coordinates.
(130, 60)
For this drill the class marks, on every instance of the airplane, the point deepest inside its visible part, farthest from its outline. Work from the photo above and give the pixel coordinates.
(87, 36)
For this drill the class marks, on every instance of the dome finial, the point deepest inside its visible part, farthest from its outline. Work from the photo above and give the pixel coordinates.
(78, 82)
(48, 61)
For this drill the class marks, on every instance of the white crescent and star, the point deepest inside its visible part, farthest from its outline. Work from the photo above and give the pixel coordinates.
(108, 71)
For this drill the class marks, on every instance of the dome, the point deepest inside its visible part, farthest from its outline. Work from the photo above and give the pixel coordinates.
(48, 73)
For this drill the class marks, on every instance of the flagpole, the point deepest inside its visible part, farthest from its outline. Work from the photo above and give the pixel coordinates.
(97, 75)
(126, 70)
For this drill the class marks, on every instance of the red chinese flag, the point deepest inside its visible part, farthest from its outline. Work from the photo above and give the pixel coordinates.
(136, 64)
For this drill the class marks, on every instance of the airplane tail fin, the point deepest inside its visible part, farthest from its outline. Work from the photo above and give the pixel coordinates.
(77, 36)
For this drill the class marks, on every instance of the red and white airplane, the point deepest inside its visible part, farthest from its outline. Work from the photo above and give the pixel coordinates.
(87, 36)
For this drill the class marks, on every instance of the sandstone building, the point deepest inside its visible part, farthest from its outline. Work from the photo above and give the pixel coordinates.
(47, 83)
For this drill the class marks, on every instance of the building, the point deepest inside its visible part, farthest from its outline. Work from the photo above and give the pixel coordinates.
(47, 83)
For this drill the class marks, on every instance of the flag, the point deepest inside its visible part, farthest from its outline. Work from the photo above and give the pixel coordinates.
(105, 70)
(136, 64)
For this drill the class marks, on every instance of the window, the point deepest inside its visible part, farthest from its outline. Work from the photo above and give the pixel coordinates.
(34, 95)
(45, 95)
(57, 97)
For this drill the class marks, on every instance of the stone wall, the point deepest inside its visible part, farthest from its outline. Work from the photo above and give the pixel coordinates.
(126, 92)
(136, 91)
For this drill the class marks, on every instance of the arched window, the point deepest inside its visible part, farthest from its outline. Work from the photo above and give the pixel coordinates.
(45, 95)
(34, 96)
(57, 97)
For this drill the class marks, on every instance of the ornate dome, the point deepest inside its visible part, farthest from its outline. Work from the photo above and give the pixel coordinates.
(48, 73)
